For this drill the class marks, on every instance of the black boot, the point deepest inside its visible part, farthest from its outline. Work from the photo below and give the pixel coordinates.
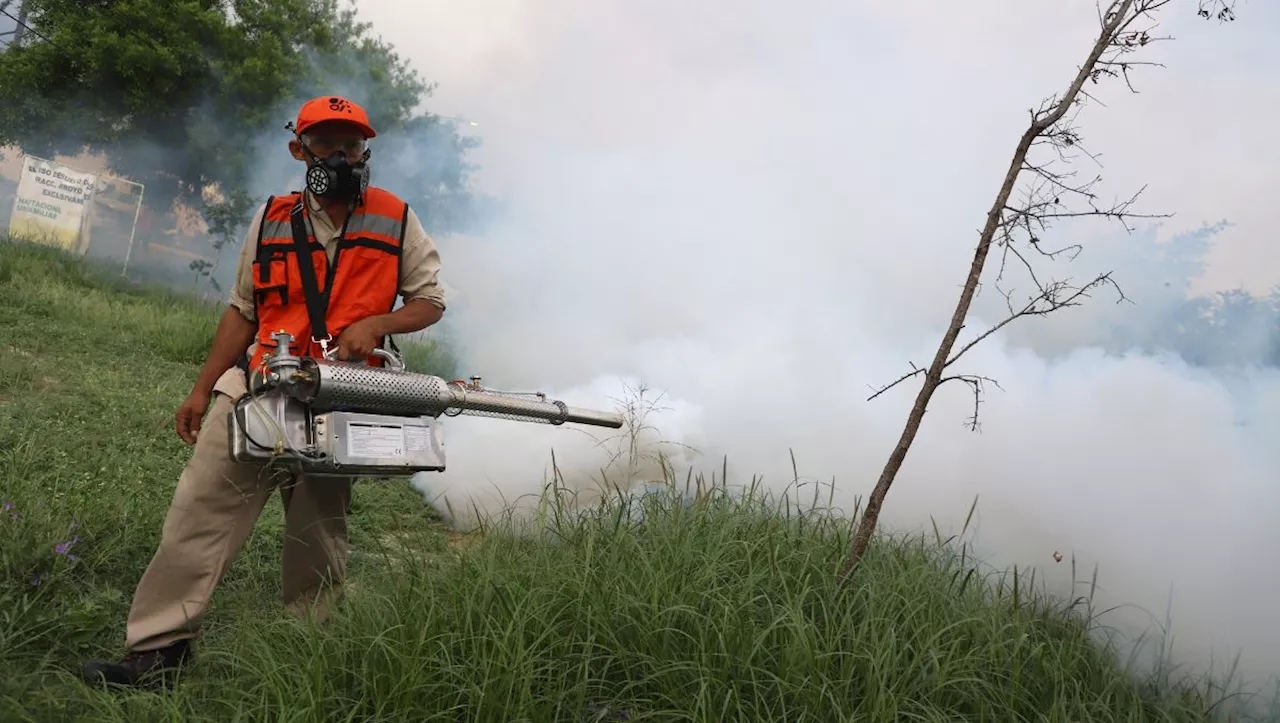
(138, 667)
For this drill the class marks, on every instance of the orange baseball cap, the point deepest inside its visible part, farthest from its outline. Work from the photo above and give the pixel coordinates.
(333, 108)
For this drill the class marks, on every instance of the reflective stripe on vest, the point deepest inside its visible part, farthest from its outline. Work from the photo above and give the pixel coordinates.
(361, 225)
(362, 280)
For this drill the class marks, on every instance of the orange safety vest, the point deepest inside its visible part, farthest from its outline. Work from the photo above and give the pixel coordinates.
(363, 279)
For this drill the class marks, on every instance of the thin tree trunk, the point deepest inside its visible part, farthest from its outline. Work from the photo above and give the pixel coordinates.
(933, 377)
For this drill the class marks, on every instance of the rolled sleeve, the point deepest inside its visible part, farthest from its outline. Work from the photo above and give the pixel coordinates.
(241, 296)
(420, 264)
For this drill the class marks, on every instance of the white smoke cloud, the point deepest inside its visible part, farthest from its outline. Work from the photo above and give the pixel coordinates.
(761, 210)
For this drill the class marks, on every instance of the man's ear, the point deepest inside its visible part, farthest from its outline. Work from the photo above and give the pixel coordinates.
(295, 149)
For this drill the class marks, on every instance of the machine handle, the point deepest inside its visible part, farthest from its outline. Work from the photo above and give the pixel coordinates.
(392, 358)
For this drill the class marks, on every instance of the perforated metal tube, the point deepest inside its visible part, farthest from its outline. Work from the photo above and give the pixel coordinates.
(346, 387)
(340, 386)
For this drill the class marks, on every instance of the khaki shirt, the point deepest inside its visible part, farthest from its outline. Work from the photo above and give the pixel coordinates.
(419, 265)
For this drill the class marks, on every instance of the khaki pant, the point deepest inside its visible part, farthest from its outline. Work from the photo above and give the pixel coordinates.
(215, 506)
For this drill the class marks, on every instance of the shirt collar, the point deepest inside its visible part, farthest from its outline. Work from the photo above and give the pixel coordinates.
(316, 213)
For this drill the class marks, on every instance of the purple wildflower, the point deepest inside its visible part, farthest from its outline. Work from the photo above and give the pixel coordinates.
(63, 547)
(35, 579)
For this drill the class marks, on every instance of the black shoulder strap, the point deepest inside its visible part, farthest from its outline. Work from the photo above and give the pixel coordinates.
(390, 340)
(262, 253)
(316, 305)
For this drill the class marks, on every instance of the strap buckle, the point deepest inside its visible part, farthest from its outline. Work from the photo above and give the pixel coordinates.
(325, 352)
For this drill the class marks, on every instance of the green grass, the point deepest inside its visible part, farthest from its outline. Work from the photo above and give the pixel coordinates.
(717, 609)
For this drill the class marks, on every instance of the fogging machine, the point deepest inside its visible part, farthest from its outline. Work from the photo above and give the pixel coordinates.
(337, 418)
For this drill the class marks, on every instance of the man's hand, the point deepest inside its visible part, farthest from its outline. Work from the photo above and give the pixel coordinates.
(358, 341)
(190, 414)
(234, 335)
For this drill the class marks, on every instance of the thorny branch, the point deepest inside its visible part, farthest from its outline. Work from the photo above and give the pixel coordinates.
(1016, 227)
(975, 383)
(1051, 297)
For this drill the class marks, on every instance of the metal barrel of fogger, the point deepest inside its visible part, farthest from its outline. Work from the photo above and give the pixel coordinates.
(329, 386)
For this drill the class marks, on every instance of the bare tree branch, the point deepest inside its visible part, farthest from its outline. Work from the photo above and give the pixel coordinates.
(1223, 10)
(975, 383)
(1052, 297)
(1050, 195)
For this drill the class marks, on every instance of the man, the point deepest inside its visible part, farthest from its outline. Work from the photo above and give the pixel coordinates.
(366, 248)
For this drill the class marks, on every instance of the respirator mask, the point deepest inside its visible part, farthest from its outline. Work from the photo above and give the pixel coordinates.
(335, 176)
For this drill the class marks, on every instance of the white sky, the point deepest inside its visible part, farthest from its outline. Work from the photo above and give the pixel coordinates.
(763, 208)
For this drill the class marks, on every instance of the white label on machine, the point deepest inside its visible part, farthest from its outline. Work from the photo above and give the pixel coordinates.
(417, 438)
(374, 440)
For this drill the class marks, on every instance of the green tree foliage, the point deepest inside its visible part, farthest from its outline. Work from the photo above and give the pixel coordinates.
(1225, 328)
(182, 95)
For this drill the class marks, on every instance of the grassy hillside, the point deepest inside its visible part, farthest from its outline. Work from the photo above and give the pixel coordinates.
(704, 612)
